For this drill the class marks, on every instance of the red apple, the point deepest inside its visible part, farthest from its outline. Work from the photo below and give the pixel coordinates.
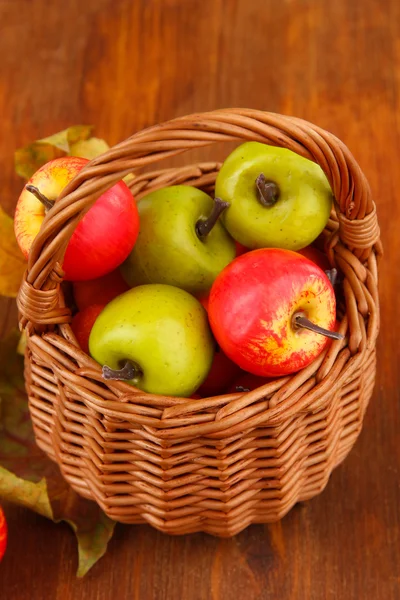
(240, 249)
(83, 322)
(222, 371)
(260, 305)
(99, 291)
(204, 300)
(221, 374)
(103, 238)
(247, 381)
(316, 256)
(3, 533)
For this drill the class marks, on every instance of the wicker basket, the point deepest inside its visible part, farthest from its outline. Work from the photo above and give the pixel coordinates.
(217, 464)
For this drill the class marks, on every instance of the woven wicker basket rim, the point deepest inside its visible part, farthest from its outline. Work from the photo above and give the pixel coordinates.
(353, 246)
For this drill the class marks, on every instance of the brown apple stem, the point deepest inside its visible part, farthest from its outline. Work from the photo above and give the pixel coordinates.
(332, 275)
(268, 191)
(128, 371)
(48, 204)
(300, 320)
(204, 226)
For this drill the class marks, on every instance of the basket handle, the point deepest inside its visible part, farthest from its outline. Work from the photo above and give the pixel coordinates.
(358, 226)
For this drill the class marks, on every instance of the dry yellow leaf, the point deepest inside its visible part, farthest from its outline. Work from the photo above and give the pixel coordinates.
(12, 262)
(30, 158)
(88, 148)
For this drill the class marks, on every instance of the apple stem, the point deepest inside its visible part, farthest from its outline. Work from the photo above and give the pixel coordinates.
(48, 204)
(204, 226)
(128, 371)
(300, 320)
(332, 275)
(268, 191)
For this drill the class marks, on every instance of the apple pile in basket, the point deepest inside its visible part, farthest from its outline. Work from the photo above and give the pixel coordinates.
(184, 295)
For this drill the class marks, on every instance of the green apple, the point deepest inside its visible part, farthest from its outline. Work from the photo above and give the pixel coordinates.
(181, 241)
(277, 198)
(157, 338)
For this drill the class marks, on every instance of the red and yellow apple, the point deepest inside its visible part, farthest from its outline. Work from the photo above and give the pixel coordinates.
(103, 238)
(271, 311)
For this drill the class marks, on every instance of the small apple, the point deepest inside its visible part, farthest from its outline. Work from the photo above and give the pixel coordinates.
(222, 371)
(316, 256)
(246, 382)
(157, 338)
(221, 375)
(83, 322)
(277, 198)
(204, 299)
(240, 249)
(99, 291)
(272, 311)
(103, 238)
(3, 533)
(181, 242)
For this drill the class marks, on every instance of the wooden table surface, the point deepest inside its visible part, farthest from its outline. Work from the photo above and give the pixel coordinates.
(125, 64)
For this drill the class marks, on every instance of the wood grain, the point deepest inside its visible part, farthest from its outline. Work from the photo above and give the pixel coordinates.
(123, 65)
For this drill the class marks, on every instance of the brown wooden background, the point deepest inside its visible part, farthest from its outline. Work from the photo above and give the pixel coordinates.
(126, 64)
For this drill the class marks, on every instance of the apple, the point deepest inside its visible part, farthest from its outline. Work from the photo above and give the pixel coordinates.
(277, 198)
(99, 291)
(103, 238)
(181, 241)
(221, 375)
(204, 300)
(222, 371)
(156, 337)
(3, 533)
(240, 249)
(316, 256)
(246, 382)
(272, 311)
(83, 322)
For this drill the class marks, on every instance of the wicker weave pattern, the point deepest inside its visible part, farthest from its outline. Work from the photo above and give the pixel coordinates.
(216, 464)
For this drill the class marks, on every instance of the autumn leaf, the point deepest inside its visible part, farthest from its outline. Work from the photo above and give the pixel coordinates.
(77, 140)
(89, 148)
(30, 158)
(22, 344)
(25, 493)
(75, 133)
(29, 478)
(12, 262)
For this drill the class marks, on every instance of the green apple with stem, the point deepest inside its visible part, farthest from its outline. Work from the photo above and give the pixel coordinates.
(157, 338)
(181, 240)
(277, 198)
